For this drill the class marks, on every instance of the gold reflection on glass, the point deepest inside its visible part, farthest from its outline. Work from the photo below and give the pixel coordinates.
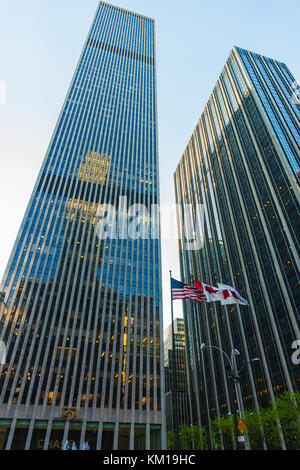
(88, 211)
(123, 373)
(95, 168)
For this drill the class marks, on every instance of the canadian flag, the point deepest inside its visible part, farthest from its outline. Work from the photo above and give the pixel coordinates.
(226, 294)
(212, 293)
(231, 295)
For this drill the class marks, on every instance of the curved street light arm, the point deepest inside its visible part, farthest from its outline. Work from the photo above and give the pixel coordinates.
(249, 362)
(219, 349)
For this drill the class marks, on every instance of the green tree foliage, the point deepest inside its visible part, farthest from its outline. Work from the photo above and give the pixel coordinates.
(282, 417)
(222, 431)
(190, 437)
(253, 433)
(171, 440)
(266, 428)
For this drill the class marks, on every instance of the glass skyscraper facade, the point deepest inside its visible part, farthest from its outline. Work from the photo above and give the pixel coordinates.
(177, 408)
(82, 319)
(242, 163)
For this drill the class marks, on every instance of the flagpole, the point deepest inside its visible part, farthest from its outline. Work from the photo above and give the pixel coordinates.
(174, 387)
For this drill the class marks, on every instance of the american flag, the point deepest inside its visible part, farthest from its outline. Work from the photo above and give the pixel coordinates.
(185, 291)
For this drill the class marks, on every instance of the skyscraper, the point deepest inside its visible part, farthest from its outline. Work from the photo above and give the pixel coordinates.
(242, 164)
(82, 319)
(176, 415)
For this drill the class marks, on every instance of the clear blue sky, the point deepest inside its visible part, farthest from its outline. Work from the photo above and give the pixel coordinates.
(41, 41)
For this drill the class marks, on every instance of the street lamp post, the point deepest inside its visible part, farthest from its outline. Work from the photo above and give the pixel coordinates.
(234, 379)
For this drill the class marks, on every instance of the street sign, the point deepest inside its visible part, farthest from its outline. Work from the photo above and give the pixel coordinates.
(241, 426)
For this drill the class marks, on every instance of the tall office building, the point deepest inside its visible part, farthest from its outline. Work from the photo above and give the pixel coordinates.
(177, 408)
(179, 338)
(82, 322)
(242, 164)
